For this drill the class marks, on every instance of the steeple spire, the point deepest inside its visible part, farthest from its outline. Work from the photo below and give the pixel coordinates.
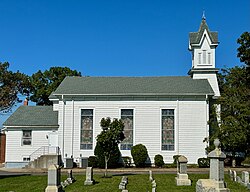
(203, 15)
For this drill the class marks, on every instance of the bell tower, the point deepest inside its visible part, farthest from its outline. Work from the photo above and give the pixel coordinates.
(202, 45)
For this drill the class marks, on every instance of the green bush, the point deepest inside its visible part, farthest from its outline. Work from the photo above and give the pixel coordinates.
(203, 162)
(114, 158)
(246, 161)
(92, 161)
(140, 154)
(158, 160)
(126, 161)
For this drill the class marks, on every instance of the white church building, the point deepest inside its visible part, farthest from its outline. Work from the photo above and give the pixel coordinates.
(168, 114)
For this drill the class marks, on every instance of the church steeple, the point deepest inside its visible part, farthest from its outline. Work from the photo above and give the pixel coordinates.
(202, 45)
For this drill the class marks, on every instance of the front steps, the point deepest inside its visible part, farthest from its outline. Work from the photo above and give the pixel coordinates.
(44, 161)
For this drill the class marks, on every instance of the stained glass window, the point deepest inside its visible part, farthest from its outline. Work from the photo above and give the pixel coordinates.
(27, 137)
(86, 138)
(127, 117)
(168, 129)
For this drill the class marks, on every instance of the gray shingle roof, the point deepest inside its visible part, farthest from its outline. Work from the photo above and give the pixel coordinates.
(33, 116)
(171, 85)
(195, 37)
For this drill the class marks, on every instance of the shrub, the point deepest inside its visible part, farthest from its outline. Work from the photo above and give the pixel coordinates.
(246, 161)
(126, 161)
(203, 162)
(159, 161)
(92, 161)
(140, 154)
(114, 158)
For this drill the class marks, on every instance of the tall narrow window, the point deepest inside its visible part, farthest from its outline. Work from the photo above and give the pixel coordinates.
(204, 55)
(127, 117)
(209, 58)
(199, 57)
(86, 140)
(27, 137)
(168, 129)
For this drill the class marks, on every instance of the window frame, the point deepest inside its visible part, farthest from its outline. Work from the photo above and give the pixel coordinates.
(80, 130)
(26, 137)
(174, 130)
(127, 147)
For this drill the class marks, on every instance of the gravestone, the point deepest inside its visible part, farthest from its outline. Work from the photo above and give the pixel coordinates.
(234, 176)
(153, 186)
(182, 176)
(123, 183)
(89, 176)
(54, 176)
(70, 177)
(231, 175)
(245, 177)
(238, 179)
(215, 183)
(150, 176)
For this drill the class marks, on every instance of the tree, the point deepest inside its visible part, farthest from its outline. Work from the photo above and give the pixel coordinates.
(244, 49)
(111, 135)
(113, 160)
(44, 83)
(11, 84)
(235, 101)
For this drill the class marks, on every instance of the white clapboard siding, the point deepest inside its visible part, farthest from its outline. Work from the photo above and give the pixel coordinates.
(15, 151)
(192, 129)
(190, 126)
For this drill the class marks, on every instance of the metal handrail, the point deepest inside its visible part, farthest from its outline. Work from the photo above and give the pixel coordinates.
(44, 150)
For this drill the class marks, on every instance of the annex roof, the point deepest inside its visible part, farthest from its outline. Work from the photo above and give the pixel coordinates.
(33, 116)
(169, 85)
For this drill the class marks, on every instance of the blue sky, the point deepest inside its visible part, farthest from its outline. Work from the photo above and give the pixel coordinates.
(114, 37)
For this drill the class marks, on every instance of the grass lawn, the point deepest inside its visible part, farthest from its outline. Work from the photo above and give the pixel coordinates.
(140, 183)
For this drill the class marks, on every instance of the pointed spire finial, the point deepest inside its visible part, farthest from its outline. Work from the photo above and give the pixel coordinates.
(203, 15)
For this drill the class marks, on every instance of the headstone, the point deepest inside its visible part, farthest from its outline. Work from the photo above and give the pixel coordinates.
(54, 176)
(231, 175)
(248, 186)
(238, 179)
(150, 176)
(70, 177)
(245, 177)
(123, 183)
(182, 176)
(89, 176)
(215, 183)
(153, 186)
(234, 175)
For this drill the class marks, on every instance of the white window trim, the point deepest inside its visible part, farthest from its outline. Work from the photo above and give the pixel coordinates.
(22, 138)
(134, 112)
(176, 129)
(79, 130)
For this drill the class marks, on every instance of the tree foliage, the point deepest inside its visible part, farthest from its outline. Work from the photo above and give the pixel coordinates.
(234, 131)
(111, 135)
(244, 49)
(113, 160)
(235, 111)
(44, 83)
(11, 84)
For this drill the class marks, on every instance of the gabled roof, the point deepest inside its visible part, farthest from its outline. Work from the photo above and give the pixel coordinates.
(171, 85)
(195, 37)
(33, 116)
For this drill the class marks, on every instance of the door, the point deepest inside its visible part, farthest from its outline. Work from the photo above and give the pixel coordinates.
(53, 142)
